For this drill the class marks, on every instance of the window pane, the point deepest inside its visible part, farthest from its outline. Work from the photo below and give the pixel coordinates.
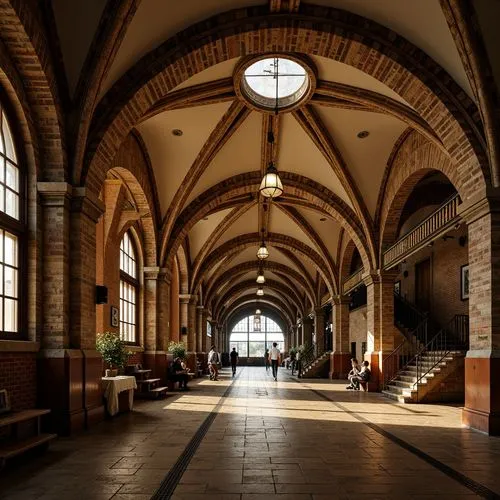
(10, 315)
(10, 249)
(9, 145)
(10, 282)
(241, 337)
(12, 177)
(256, 349)
(11, 204)
(261, 337)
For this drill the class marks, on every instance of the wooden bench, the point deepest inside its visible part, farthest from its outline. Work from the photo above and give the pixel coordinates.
(17, 443)
(365, 385)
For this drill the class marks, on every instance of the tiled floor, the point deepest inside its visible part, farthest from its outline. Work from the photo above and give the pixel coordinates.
(269, 440)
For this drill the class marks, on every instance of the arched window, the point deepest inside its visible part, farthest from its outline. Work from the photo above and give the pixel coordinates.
(12, 234)
(252, 341)
(129, 288)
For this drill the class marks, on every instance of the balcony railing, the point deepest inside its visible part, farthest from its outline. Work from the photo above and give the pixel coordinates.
(352, 281)
(436, 224)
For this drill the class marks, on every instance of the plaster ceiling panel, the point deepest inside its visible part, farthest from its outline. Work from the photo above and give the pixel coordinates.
(335, 71)
(240, 154)
(76, 25)
(276, 255)
(298, 154)
(366, 158)
(156, 21)
(222, 70)
(215, 267)
(172, 156)
(202, 230)
(248, 254)
(421, 22)
(247, 223)
(279, 222)
(327, 230)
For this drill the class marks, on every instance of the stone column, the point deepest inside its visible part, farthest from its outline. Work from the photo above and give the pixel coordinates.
(482, 363)
(183, 313)
(381, 332)
(340, 359)
(156, 320)
(70, 368)
(319, 330)
(307, 330)
(200, 317)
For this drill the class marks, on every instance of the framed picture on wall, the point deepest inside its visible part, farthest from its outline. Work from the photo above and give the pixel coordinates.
(115, 316)
(397, 287)
(464, 282)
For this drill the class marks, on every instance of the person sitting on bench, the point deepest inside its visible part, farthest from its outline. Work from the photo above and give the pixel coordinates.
(179, 374)
(364, 376)
(355, 370)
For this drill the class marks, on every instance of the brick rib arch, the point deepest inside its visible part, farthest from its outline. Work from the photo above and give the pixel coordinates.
(242, 189)
(288, 295)
(328, 32)
(415, 158)
(274, 239)
(253, 265)
(249, 299)
(345, 262)
(183, 265)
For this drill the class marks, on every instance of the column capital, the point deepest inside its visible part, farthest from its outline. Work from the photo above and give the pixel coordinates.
(371, 278)
(54, 194)
(151, 273)
(338, 300)
(188, 298)
(86, 202)
(478, 206)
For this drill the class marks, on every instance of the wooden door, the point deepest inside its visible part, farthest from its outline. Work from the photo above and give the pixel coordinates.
(423, 285)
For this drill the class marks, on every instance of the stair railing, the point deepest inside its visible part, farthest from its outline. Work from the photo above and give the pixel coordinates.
(404, 353)
(307, 357)
(453, 337)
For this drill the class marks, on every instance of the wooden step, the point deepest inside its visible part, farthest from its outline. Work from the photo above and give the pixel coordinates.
(21, 416)
(12, 449)
(148, 381)
(159, 389)
(142, 371)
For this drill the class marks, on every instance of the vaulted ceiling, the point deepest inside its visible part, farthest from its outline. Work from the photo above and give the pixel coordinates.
(224, 142)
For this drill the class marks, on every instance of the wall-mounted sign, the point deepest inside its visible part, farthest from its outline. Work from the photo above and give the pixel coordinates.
(115, 316)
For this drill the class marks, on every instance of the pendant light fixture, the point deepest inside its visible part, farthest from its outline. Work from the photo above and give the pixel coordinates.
(260, 291)
(260, 277)
(262, 252)
(271, 185)
(258, 311)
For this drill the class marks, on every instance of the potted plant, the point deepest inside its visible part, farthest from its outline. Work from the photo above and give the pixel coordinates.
(177, 349)
(113, 351)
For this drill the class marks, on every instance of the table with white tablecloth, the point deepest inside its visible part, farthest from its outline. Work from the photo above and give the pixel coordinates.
(113, 386)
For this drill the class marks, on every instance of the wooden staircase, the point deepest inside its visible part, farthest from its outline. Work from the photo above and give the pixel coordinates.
(316, 367)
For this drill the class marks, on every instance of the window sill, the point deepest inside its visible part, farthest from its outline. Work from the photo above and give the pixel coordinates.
(19, 346)
(135, 348)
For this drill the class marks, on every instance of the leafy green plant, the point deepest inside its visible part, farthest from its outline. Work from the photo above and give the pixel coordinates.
(293, 350)
(113, 349)
(177, 349)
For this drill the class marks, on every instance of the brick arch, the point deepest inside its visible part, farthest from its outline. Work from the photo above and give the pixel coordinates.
(238, 190)
(183, 266)
(32, 62)
(241, 242)
(253, 265)
(289, 295)
(245, 310)
(327, 32)
(415, 158)
(248, 299)
(345, 261)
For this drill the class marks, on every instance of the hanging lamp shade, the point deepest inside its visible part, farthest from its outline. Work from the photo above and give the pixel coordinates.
(257, 311)
(262, 252)
(260, 279)
(271, 185)
(260, 292)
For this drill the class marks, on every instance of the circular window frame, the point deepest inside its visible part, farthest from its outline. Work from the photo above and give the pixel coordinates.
(258, 102)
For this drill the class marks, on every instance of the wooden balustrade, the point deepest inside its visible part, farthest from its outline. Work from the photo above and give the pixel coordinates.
(433, 226)
(352, 281)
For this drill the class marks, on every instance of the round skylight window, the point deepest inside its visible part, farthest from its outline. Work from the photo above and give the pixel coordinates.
(275, 83)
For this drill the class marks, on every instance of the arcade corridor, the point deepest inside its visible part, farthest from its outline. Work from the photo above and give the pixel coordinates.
(294, 440)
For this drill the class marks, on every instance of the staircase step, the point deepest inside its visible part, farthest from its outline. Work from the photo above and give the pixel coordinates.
(148, 381)
(159, 389)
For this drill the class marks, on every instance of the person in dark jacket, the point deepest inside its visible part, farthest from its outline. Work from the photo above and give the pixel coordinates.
(178, 374)
(234, 360)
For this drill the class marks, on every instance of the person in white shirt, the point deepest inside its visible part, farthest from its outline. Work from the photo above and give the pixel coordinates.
(213, 360)
(275, 356)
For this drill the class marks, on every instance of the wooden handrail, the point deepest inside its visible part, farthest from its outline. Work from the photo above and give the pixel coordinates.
(429, 229)
(352, 281)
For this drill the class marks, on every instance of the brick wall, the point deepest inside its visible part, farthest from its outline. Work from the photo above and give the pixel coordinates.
(446, 259)
(18, 376)
(357, 329)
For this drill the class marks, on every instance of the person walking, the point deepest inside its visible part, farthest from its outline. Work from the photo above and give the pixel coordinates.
(213, 360)
(234, 360)
(275, 356)
(266, 359)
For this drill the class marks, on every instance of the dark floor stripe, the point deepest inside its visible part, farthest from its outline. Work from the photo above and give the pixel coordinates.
(469, 483)
(168, 485)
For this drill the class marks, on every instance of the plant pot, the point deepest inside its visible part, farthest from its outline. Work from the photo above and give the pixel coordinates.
(111, 372)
